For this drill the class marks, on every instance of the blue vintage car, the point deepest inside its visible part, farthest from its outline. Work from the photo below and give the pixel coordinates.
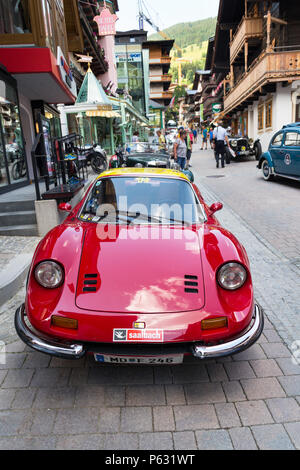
(283, 155)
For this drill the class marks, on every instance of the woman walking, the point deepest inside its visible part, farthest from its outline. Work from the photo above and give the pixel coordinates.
(180, 150)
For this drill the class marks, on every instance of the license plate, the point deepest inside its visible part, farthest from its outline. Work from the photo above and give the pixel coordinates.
(177, 359)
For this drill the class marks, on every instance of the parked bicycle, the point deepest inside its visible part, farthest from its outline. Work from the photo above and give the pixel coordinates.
(19, 169)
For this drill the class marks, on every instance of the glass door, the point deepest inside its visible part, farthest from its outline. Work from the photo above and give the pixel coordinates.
(13, 163)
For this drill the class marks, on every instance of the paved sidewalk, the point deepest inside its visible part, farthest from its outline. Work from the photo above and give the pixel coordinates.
(15, 258)
(248, 401)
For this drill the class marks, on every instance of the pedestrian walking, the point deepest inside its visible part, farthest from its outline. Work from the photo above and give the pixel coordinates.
(135, 140)
(220, 138)
(211, 138)
(204, 138)
(161, 141)
(180, 149)
(195, 133)
(189, 145)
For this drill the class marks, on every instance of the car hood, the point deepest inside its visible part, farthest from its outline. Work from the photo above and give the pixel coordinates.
(134, 273)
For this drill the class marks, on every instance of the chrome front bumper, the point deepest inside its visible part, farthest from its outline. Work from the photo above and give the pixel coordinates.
(67, 350)
(237, 344)
(43, 343)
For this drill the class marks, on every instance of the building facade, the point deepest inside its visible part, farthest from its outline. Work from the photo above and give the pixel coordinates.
(132, 60)
(262, 89)
(159, 68)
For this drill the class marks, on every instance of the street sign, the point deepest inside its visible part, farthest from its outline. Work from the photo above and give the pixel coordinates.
(216, 108)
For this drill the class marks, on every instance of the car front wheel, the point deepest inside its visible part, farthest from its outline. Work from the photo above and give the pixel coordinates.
(267, 174)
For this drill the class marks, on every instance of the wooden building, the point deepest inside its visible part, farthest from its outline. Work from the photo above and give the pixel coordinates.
(159, 66)
(257, 43)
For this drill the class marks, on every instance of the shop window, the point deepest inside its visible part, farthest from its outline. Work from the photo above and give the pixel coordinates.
(14, 17)
(13, 168)
(49, 21)
(269, 106)
(260, 124)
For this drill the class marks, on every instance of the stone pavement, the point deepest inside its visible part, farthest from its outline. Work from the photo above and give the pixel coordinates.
(248, 401)
(15, 258)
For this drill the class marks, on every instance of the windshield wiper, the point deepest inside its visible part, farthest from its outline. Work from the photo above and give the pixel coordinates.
(149, 218)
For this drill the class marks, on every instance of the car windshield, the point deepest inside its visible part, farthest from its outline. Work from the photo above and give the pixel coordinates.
(142, 200)
(145, 147)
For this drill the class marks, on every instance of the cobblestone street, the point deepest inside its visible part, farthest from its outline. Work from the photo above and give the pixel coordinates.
(248, 401)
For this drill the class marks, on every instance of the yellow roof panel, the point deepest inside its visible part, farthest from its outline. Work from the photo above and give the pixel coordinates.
(144, 172)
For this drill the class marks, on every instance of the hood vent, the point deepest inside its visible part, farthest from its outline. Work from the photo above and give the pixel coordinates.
(191, 284)
(90, 283)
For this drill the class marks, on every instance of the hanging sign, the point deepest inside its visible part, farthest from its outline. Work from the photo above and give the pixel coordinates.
(106, 22)
(65, 72)
(216, 108)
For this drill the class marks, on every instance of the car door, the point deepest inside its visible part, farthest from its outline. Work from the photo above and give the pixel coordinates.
(291, 146)
(277, 152)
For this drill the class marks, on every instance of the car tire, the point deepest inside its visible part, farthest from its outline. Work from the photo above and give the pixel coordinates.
(258, 151)
(266, 170)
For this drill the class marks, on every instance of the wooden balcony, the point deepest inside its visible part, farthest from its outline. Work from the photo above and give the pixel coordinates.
(161, 78)
(160, 60)
(277, 66)
(249, 29)
(161, 95)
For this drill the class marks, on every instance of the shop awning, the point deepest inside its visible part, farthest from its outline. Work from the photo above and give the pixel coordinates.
(102, 113)
(38, 74)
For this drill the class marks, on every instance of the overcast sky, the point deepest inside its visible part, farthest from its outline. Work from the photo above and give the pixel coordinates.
(165, 13)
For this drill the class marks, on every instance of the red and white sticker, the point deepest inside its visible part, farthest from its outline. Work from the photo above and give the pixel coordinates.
(138, 336)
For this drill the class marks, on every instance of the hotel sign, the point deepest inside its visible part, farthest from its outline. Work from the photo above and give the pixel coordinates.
(106, 22)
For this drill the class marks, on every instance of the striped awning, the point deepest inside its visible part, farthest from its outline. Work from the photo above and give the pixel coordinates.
(103, 113)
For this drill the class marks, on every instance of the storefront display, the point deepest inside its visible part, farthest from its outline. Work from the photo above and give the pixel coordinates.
(13, 167)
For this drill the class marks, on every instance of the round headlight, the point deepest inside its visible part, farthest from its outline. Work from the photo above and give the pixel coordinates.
(49, 274)
(232, 276)
(233, 143)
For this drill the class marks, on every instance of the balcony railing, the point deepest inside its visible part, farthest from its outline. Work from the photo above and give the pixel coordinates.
(161, 78)
(249, 28)
(164, 95)
(160, 60)
(272, 66)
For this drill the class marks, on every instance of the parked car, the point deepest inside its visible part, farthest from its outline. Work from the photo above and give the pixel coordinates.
(148, 285)
(145, 155)
(241, 147)
(283, 155)
(141, 154)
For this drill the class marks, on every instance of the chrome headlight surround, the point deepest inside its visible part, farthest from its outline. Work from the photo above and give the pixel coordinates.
(49, 274)
(233, 143)
(232, 276)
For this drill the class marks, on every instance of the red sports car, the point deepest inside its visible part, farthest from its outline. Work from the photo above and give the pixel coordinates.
(141, 271)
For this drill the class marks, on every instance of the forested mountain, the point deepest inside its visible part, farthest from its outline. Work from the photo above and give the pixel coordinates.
(186, 34)
(192, 38)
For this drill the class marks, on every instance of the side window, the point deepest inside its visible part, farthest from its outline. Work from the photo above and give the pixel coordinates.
(277, 140)
(292, 139)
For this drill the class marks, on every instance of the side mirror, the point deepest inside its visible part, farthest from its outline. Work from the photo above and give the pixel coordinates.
(217, 206)
(65, 206)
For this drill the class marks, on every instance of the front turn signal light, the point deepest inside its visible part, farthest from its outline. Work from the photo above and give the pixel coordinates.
(214, 323)
(63, 322)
